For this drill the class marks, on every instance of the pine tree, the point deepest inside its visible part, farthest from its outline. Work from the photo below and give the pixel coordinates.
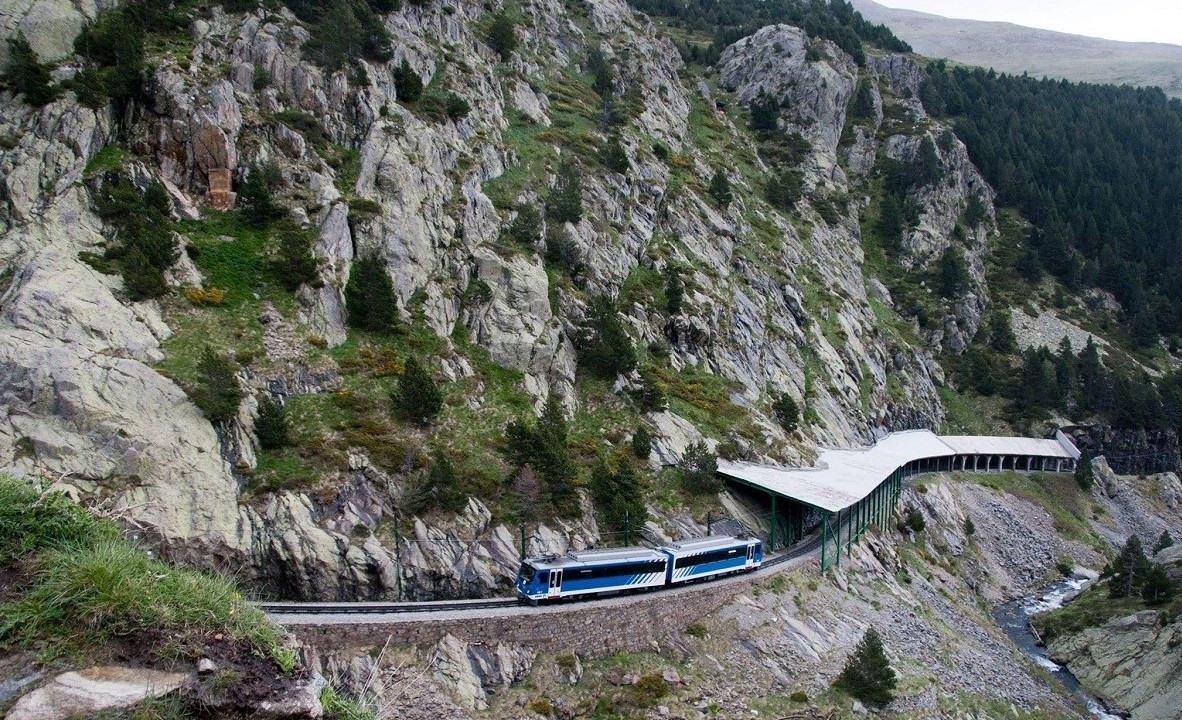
(765, 112)
(699, 470)
(1085, 476)
(617, 495)
(868, 675)
(565, 202)
(338, 39)
(369, 296)
(271, 425)
(26, 75)
(862, 106)
(502, 37)
(296, 265)
(443, 485)
(784, 189)
(418, 397)
(604, 345)
(787, 412)
(526, 227)
(642, 443)
(407, 83)
(720, 189)
(255, 200)
(1128, 569)
(1157, 588)
(953, 272)
(217, 391)
(614, 156)
(1163, 542)
(674, 290)
(142, 279)
(542, 446)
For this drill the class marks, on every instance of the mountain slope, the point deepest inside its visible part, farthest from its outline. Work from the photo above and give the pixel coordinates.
(1016, 49)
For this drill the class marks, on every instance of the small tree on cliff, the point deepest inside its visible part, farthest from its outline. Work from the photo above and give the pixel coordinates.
(1128, 570)
(1163, 542)
(418, 397)
(369, 296)
(217, 392)
(1084, 475)
(868, 675)
(1157, 588)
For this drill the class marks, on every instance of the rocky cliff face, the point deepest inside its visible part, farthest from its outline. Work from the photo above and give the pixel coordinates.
(775, 302)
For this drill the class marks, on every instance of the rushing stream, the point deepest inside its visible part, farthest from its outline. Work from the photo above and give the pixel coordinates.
(1014, 618)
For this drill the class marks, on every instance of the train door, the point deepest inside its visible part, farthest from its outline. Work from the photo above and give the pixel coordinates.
(750, 557)
(555, 584)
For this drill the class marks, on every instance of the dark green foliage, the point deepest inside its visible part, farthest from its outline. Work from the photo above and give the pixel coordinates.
(407, 83)
(784, 189)
(113, 48)
(661, 151)
(927, 168)
(561, 251)
(418, 398)
(457, 107)
(440, 490)
(1085, 477)
(271, 425)
(975, 211)
(787, 412)
(601, 73)
(674, 290)
(890, 219)
(502, 37)
(862, 105)
(1001, 333)
(914, 521)
(720, 189)
(618, 496)
(295, 265)
(526, 227)
(1157, 588)
(952, 272)
(1163, 542)
(614, 156)
(565, 202)
(604, 346)
(369, 296)
(147, 246)
(765, 112)
(256, 199)
(698, 469)
(217, 391)
(542, 446)
(969, 528)
(1128, 570)
(867, 675)
(650, 396)
(26, 75)
(344, 31)
(642, 443)
(1095, 168)
(835, 20)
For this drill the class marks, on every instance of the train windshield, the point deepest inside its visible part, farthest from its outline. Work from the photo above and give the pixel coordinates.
(526, 573)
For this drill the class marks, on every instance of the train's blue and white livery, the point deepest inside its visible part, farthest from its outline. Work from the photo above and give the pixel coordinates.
(596, 572)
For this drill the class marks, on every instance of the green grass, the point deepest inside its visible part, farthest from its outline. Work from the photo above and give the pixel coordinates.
(343, 708)
(89, 585)
(967, 413)
(110, 158)
(704, 399)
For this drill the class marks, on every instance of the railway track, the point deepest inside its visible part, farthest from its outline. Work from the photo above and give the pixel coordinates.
(279, 609)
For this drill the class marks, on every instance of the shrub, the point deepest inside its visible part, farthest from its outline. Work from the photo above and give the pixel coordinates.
(953, 272)
(614, 156)
(784, 190)
(720, 189)
(441, 489)
(217, 391)
(501, 36)
(256, 199)
(418, 398)
(697, 629)
(799, 696)
(698, 469)
(1157, 588)
(26, 75)
(205, 296)
(561, 251)
(295, 265)
(565, 202)
(969, 528)
(456, 106)
(407, 83)
(650, 395)
(642, 443)
(867, 675)
(674, 290)
(1164, 541)
(369, 296)
(914, 521)
(526, 227)
(649, 688)
(541, 706)
(271, 425)
(604, 346)
(787, 412)
(661, 151)
(1085, 475)
(765, 112)
(142, 280)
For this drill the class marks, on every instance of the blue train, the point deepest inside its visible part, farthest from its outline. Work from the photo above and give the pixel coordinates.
(597, 572)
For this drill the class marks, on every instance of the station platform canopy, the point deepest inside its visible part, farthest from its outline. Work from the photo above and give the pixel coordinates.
(842, 478)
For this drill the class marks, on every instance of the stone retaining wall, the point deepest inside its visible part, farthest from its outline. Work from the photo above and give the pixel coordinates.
(593, 629)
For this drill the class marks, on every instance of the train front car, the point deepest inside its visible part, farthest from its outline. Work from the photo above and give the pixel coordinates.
(591, 572)
(708, 557)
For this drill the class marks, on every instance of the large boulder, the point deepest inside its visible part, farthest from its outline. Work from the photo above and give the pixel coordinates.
(86, 693)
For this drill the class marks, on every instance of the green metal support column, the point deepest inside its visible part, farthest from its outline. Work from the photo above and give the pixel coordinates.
(849, 530)
(837, 538)
(824, 540)
(771, 545)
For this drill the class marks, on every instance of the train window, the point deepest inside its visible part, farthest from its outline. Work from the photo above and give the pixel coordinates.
(709, 557)
(588, 573)
(526, 573)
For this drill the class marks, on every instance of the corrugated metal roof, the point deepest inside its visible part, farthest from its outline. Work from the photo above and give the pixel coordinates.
(843, 477)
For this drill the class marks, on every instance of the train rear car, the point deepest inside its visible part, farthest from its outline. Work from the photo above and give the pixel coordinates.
(712, 556)
(591, 572)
